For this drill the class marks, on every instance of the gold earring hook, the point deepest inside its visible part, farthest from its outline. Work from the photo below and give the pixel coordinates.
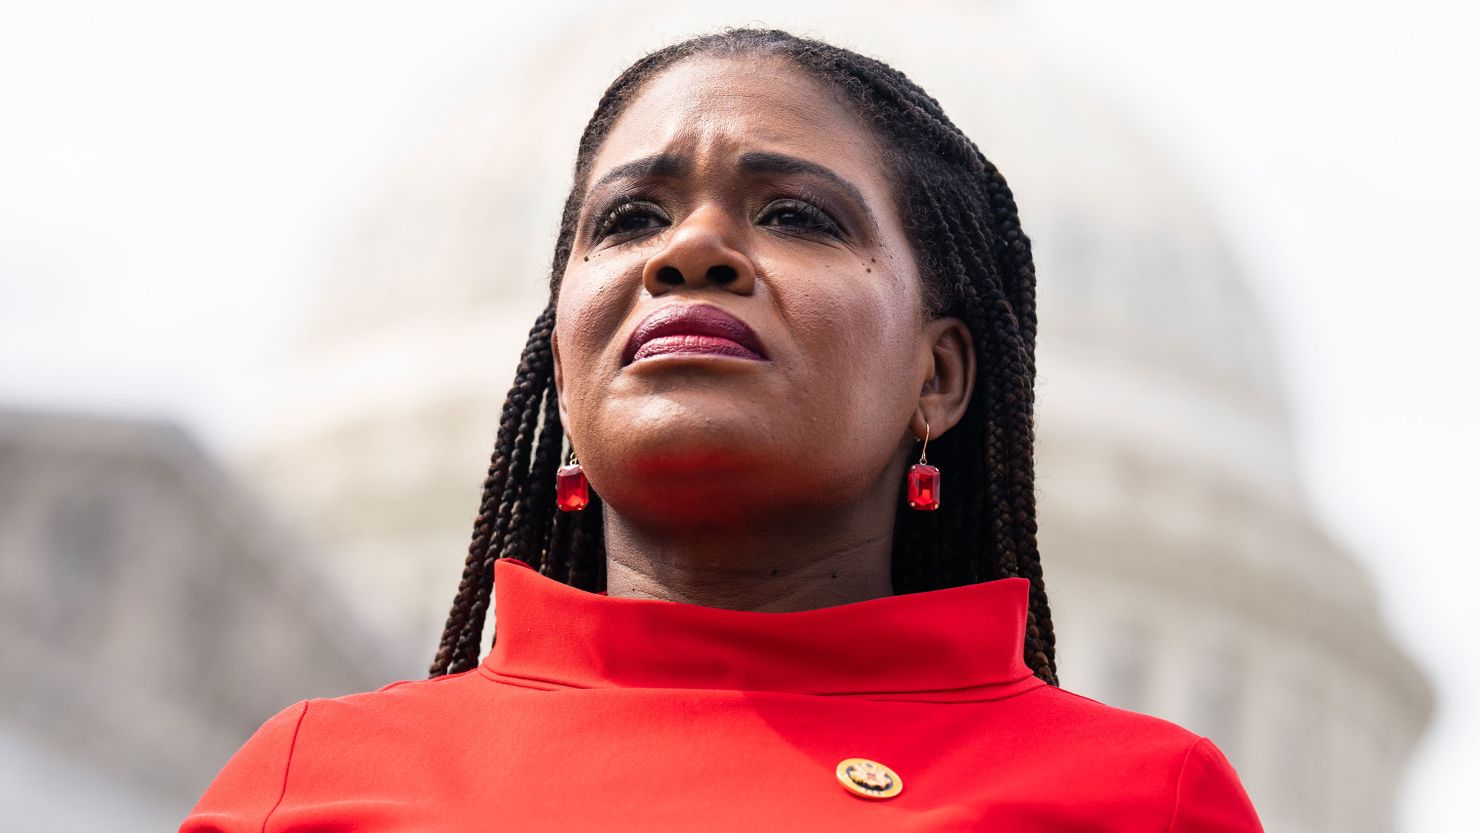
(926, 445)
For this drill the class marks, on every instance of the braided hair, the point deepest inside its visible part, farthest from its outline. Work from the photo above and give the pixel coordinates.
(976, 264)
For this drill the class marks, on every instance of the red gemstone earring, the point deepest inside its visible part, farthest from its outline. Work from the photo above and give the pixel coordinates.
(924, 482)
(571, 492)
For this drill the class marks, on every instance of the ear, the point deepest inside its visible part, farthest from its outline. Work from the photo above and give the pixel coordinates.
(951, 377)
(559, 381)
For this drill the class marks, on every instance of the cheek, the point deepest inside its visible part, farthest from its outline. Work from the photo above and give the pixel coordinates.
(860, 345)
(588, 314)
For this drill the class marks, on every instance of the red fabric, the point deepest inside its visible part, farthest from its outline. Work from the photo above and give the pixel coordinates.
(594, 713)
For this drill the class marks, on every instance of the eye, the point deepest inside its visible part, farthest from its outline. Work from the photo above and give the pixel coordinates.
(630, 217)
(798, 215)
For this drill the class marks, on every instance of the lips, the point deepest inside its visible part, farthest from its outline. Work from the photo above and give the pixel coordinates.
(691, 329)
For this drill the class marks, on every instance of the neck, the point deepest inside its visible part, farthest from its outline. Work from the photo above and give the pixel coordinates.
(771, 564)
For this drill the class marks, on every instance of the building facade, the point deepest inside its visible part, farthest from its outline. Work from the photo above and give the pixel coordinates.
(153, 617)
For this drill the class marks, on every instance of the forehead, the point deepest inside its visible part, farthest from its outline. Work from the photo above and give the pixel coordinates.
(719, 107)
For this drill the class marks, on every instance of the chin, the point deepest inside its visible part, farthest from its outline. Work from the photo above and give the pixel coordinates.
(692, 453)
(677, 496)
(673, 469)
(689, 428)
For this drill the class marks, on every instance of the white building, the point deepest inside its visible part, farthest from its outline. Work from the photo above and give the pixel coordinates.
(1187, 575)
(151, 617)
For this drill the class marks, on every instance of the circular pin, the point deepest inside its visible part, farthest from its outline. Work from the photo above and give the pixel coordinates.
(869, 779)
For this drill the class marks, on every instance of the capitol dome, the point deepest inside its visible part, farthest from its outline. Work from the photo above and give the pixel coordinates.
(1187, 575)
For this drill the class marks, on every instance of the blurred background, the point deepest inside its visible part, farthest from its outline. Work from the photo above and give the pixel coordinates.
(265, 269)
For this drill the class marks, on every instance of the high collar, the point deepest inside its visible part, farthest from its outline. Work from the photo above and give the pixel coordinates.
(958, 644)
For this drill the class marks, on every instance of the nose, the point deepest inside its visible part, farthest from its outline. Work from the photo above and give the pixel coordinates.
(700, 252)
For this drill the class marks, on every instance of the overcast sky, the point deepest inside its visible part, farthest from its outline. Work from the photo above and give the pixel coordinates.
(173, 176)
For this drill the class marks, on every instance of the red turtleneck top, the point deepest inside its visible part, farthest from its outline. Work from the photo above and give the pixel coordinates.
(597, 713)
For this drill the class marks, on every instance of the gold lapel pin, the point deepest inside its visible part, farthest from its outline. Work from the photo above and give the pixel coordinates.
(869, 779)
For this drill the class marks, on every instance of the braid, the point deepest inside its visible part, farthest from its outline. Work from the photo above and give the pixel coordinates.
(976, 264)
(536, 509)
(458, 650)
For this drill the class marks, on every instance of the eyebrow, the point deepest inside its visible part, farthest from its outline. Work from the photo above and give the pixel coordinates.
(657, 165)
(766, 162)
(754, 162)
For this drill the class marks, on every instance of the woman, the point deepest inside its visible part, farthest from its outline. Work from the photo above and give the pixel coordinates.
(782, 278)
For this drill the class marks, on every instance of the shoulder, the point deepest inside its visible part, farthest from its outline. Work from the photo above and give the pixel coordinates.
(250, 786)
(400, 712)
(400, 709)
(1072, 712)
(1130, 754)
(329, 740)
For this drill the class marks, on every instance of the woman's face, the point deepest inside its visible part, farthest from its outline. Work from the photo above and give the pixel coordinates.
(742, 186)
